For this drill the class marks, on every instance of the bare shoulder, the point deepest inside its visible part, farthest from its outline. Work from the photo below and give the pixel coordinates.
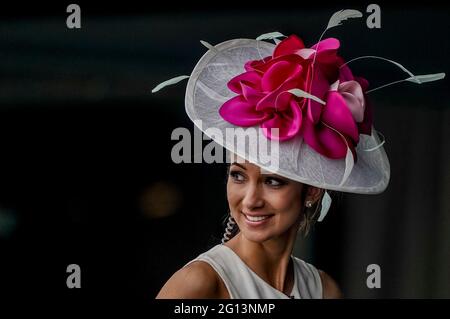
(194, 281)
(330, 288)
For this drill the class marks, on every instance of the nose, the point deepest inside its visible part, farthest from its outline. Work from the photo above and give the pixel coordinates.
(253, 198)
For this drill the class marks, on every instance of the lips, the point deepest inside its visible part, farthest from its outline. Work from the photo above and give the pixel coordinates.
(256, 219)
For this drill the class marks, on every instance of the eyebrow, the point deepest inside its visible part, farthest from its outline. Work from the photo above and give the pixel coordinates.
(237, 164)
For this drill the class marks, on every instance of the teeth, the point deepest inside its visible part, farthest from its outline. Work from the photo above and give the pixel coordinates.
(256, 218)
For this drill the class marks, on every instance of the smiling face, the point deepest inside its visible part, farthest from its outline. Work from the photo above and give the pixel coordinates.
(264, 205)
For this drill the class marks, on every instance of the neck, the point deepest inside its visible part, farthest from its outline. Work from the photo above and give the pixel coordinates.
(270, 259)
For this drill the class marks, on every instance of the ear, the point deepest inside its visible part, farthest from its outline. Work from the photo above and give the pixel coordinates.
(313, 194)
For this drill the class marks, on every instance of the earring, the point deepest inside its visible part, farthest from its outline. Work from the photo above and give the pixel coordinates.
(230, 225)
(308, 203)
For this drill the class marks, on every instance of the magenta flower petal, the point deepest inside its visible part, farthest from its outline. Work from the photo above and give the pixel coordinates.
(288, 123)
(279, 99)
(366, 126)
(262, 67)
(250, 65)
(274, 101)
(353, 95)
(337, 115)
(345, 74)
(250, 94)
(327, 45)
(326, 58)
(239, 112)
(251, 78)
(319, 88)
(290, 45)
(334, 143)
(363, 82)
(324, 140)
(277, 74)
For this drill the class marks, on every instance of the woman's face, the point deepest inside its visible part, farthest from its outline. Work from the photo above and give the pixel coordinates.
(264, 205)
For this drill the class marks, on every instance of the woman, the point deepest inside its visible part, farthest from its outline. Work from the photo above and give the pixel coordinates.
(314, 112)
(268, 210)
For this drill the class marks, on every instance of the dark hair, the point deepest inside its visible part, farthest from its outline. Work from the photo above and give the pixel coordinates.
(310, 214)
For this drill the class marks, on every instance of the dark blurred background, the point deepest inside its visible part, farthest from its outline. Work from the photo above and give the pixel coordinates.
(86, 175)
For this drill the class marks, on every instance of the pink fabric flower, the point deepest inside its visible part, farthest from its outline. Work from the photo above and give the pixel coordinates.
(262, 97)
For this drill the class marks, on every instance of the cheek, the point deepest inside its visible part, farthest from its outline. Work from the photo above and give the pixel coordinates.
(288, 201)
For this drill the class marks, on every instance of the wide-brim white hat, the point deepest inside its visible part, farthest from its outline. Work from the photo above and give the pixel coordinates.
(207, 91)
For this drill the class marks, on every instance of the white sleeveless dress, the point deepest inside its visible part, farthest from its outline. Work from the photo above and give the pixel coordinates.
(244, 283)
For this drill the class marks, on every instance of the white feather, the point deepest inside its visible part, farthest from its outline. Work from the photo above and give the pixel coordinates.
(426, 78)
(326, 203)
(208, 45)
(301, 93)
(342, 15)
(270, 36)
(419, 79)
(381, 58)
(349, 162)
(383, 140)
(169, 82)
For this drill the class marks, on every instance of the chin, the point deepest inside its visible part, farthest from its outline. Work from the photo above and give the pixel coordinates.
(256, 236)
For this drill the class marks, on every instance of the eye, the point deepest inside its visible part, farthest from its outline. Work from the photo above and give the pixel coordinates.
(237, 176)
(274, 182)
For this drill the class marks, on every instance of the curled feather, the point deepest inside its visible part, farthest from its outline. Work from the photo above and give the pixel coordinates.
(342, 15)
(169, 82)
(326, 203)
(419, 79)
(270, 36)
(426, 78)
(208, 45)
(301, 93)
(349, 163)
(383, 140)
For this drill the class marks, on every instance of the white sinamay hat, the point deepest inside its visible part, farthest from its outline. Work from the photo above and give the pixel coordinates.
(325, 131)
(207, 91)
